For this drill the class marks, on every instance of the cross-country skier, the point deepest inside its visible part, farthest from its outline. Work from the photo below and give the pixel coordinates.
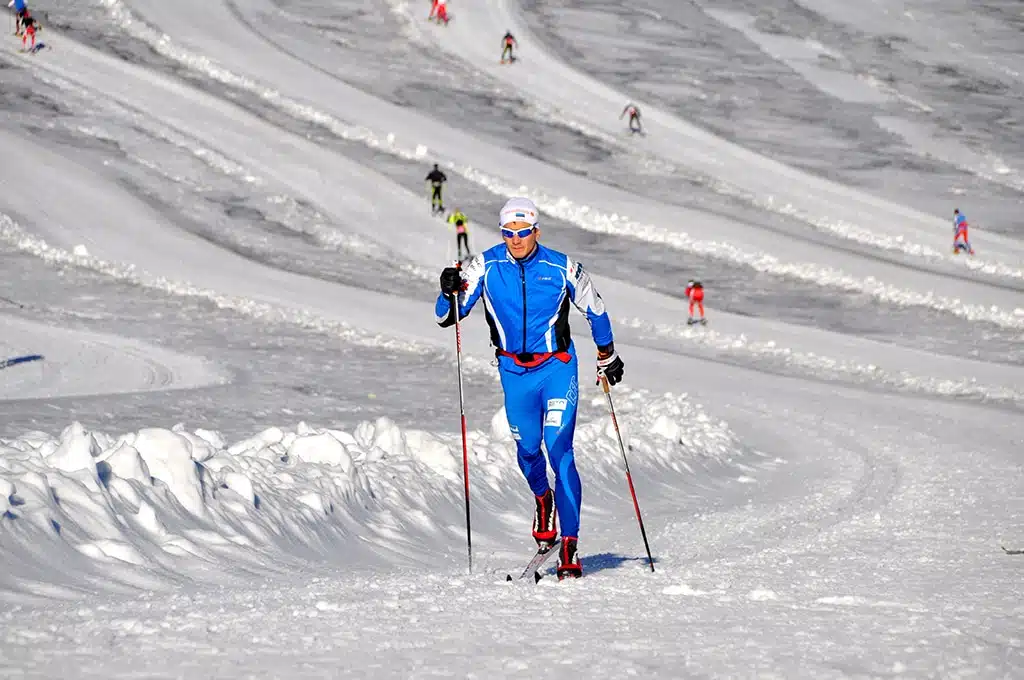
(960, 231)
(436, 178)
(28, 31)
(440, 11)
(507, 43)
(527, 288)
(695, 294)
(634, 117)
(20, 11)
(461, 223)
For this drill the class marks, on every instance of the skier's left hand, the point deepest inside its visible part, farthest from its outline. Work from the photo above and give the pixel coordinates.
(451, 281)
(609, 364)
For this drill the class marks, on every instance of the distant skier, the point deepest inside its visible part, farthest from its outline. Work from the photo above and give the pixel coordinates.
(634, 118)
(960, 231)
(437, 180)
(20, 11)
(461, 223)
(695, 294)
(507, 43)
(28, 31)
(439, 11)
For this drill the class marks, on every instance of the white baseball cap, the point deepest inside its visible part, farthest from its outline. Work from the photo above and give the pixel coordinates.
(519, 210)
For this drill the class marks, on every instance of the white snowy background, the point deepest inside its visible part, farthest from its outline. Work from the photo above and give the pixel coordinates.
(240, 456)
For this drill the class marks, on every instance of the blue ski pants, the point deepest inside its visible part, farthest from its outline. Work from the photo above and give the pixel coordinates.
(541, 406)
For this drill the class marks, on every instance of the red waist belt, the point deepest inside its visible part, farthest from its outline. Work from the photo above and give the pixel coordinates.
(531, 359)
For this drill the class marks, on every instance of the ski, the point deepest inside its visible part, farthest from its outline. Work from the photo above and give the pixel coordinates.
(1012, 552)
(543, 553)
(19, 360)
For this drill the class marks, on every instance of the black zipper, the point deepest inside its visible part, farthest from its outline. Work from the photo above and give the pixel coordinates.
(522, 276)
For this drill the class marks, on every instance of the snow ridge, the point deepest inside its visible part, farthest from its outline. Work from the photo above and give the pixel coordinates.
(147, 508)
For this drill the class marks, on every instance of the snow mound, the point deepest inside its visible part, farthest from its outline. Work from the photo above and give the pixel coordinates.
(151, 508)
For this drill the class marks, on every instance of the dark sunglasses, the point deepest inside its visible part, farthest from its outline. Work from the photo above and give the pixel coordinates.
(522, 233)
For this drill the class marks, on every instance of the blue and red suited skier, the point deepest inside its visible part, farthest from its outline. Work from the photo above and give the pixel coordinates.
(960, 241)
(527, 289)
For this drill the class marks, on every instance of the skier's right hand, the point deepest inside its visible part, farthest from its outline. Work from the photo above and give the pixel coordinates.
(609, 365)
(451, 281)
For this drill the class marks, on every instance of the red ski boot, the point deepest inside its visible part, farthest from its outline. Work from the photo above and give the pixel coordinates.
(568, 560)
(544, 531)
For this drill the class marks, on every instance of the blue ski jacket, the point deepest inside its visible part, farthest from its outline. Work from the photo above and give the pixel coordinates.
(526, 301)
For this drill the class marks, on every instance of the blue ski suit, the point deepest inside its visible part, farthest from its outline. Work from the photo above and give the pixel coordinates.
(526, 304)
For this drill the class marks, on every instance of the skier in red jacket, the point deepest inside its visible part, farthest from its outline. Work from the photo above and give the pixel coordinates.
(695, 294)
(439, 11)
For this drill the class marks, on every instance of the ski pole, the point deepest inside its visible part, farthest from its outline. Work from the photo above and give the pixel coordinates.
(462, 414)
(11, 302)
(629, 477)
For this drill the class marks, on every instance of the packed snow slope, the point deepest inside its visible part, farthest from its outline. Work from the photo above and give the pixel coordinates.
(221, 230)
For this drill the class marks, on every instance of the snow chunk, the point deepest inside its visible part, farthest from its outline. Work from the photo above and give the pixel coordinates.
(388, 437)
(241, 485)
(76, 450)
(434, 453)
(169, 458)
(321, 448)
(212, 438)
(126, 463)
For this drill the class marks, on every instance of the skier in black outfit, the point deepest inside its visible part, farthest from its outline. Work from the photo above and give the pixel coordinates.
(437, 180)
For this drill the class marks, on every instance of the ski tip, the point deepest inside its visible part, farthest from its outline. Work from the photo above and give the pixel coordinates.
(508, 577)
(537, 577)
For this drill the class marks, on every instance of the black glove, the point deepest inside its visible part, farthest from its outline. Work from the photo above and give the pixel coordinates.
(609, 364)
(451, 280)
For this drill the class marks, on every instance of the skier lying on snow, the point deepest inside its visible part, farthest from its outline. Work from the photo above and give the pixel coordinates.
(527, 288)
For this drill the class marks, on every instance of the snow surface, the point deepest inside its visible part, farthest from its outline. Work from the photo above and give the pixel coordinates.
(241, 455)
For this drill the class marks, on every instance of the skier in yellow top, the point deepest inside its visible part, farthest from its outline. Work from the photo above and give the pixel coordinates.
(461, 222)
